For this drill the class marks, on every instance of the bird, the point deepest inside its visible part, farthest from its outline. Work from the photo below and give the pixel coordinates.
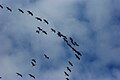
(20, 10)
(19, 74)
(53, 30)
(46, 56)
(29, 12)
(9, 9)
(59, 34)
(66, 73)
(67, 78)
(68, 69)
(33, 64)
(77, 57)
(0, 77)
(78, 53)
(71, 40)
(33, 60)
(37, 31)
(39, 28)
(65, 40)
(45, 21)
(38, 18)
(1, 6)
(44, 32)
(64, 36)
(32, 76)
(70, 63)
(76, 44)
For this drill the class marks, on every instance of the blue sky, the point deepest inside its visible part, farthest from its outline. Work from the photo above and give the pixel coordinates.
(94, 24)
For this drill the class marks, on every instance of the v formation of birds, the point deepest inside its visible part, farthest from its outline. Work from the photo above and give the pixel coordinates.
(68, 40)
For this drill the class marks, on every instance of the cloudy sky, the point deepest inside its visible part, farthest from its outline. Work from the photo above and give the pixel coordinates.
(94, 25)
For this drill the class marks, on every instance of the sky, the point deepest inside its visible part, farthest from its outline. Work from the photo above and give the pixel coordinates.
(93, 24)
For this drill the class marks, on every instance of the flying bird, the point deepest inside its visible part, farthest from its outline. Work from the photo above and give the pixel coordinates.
(78, 53)
(59, 34)
(66, 73)
(44, 32)
(1, 6)
(64, 36)
(20, 10)
(65, 40)
(33, 60)
(37, 31)
(70, 63)
(9, 9)
(39, 28)
(33, 64)
(0, 77)
(29, 12)
(68, 69)
(77, 57)
(46, 56)
(71, 40)
(45, 21)
(53, 30)
(32, 76)
(67, 78)
(76, 44)
(38, 18)
(19, 74)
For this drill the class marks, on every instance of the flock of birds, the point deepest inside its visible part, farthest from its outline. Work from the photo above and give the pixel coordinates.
(68, 40)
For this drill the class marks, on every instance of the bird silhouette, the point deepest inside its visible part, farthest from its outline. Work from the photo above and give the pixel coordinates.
(67, 78)
(20, 10)
(33, 60)
(0, 77)
(33, 64)
(29, 12)
(45, 21)
(32, 76)
(46, 56)
(1, 6)
(19, 74)
(76, 44)
(64, 36)
(59, 34)
(66, 73)
(37, 31)
(68, 69)
(65, 40)
(39, 28)
(71, 40)
(53, 30)
(9, 9)
(70, 63)
(44, 32)
(77, 57)
(38, 18)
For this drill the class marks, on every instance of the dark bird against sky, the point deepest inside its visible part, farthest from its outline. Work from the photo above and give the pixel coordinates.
(29, 12)
(1, 6)
(20, 10)
(46, 56)
(38, 18)
(77, 57)
(53, 30)
(44, 32)
(37, 31)
(68, 69)
(45, 21)
(9, 9)
(39, 28)
(19, 74)
(67, 78)
(70, 63)
(32, 76)
(66, 73)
